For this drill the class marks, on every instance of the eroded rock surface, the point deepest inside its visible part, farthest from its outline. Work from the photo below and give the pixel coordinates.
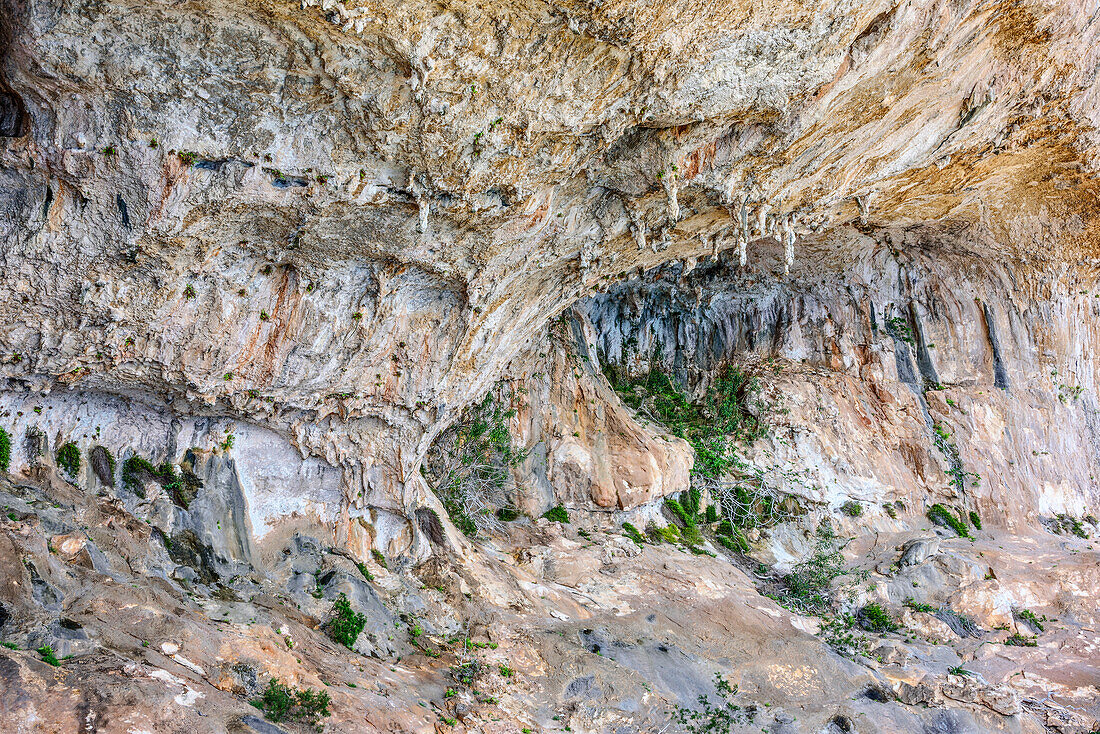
(264, 260)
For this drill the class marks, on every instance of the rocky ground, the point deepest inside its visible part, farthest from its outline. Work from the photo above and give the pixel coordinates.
(552, 627)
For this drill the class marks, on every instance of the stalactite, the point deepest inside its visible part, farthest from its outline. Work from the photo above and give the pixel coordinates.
(788, 244)
(672, 193)
(743, 238)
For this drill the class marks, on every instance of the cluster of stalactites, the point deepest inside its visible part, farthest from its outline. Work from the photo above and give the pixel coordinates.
(755, 222)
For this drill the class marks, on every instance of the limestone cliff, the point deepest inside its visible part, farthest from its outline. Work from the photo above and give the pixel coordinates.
(284, 283)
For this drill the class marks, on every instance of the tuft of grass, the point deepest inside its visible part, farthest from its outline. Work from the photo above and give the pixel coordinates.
(959, 670)
(346, 623)
(10, 645)
(47, 654)
(68, 458)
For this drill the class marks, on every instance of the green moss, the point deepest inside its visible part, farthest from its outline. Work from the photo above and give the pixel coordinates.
(346, 623)
(557, 514)
(5, 450)
(940, 515)
(68, 458)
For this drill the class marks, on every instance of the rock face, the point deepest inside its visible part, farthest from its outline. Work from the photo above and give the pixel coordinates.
(264, 262)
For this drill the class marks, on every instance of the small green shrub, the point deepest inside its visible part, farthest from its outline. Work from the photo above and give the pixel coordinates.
(280, 702)
(506, 671)
(940, 515)
(1029, 616)
(715, 717)
(1018, 640)
(679, 512)
(975, 520)
(851, 508)
(712, 514)
(10, 645)
(735, 542)
(379, 558)
(363, 570)
(874, 618)
(918, 606)
(5, 450)
(346, 623)
(666, 534)
(557, 514)
(68, 458)
(507, 514)
(808, 586)
(48, 656)
(632, 532)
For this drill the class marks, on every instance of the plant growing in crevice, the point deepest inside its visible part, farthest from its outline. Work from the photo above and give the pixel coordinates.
(808, 587)
(1031, 618)
(68, 458)
(5, 450)
(851, 508)
(47, 654)
(557, 514)
(471, 467)
(874, 618)
(940, 515)
(717, 716)
(346, 624)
